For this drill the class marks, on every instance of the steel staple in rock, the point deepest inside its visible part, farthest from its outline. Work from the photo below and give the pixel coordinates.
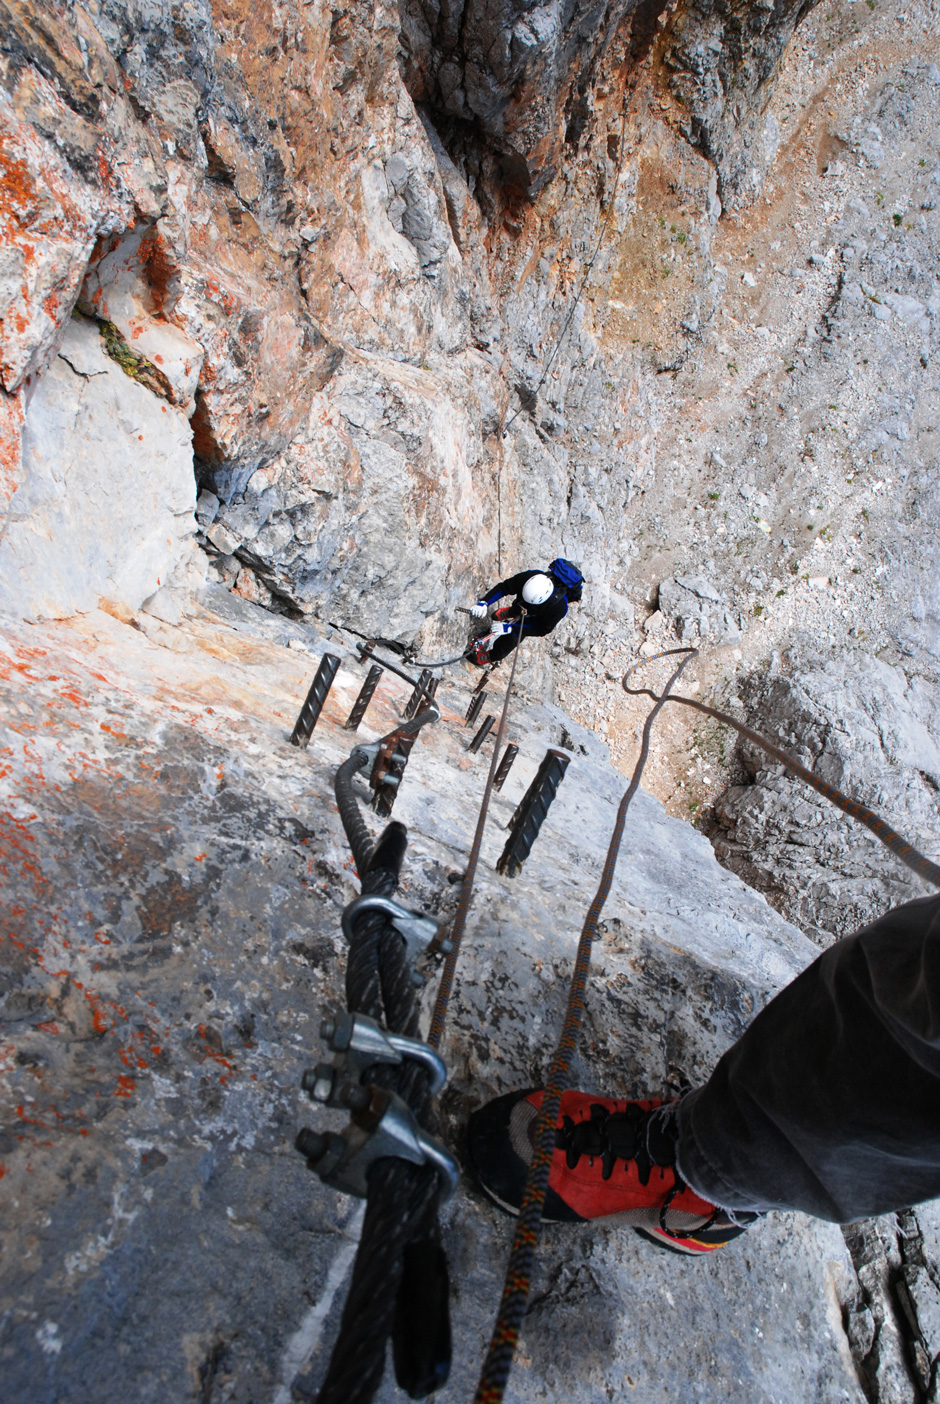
(366, 693)
(505, 765)
(386, 791)
(313, 703)
(473, 711)
(481, 735)
(531, 812)
(418, 692)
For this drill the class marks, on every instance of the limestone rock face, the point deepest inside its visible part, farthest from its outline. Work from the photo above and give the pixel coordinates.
(105, 502)
(423, 295)
(516, 75)
(522, 77)
(721, 60)
(865, 728)
(396, 448)
(181, 871)
(295, 215)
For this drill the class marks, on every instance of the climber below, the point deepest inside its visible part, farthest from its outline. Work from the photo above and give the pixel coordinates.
(829, 1103)
(545, 597)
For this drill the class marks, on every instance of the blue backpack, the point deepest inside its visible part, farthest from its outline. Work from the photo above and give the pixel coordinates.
(565, 573)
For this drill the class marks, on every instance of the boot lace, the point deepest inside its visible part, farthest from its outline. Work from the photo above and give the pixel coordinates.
(647, 1138)
(633, 1134)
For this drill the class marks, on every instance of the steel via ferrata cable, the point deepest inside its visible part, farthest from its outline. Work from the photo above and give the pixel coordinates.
(411, 662)
(401, 1206)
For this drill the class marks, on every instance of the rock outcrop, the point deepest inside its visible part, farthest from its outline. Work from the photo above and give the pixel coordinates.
(331, 278)
(722, 61)
(868, 730)
(92, 518)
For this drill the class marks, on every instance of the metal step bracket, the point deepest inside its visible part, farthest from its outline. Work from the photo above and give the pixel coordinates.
(385, 1127)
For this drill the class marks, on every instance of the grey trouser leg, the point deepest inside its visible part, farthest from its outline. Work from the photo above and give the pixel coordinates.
(830, 1101)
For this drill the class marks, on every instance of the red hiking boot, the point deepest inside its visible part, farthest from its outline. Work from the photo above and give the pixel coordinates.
(613, 1160)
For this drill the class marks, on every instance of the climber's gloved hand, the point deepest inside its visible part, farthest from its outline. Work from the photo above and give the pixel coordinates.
(479, 610)
(503, 627)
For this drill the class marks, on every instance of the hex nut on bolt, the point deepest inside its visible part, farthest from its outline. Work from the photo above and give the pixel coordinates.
(355, 1097)
(318, 1082)
(310, 1143)
(324, 1153)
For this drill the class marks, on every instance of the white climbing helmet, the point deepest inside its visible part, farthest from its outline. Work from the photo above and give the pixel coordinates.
(538, 589)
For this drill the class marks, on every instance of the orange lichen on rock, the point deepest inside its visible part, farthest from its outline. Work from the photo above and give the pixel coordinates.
(11, 454)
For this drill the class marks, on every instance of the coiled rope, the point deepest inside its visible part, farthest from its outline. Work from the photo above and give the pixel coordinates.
(910, 856)
(502, 1347)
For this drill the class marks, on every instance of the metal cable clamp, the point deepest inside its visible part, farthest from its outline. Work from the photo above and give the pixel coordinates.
(419, 933)
(367, 752)
(382, 1125)
(359, 1043)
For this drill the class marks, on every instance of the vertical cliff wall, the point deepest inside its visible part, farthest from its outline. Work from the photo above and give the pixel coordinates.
(347, 247)
(351, 310)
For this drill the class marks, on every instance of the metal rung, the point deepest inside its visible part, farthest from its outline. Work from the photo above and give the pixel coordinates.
(482, 734)
(505, 765)
(531, 811)
(366, 693)
(313, 705)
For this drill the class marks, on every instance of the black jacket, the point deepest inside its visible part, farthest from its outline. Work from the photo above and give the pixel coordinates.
(540, 619)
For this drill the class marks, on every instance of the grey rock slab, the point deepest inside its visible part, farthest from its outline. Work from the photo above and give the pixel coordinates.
(207, 505)
(105, 505)
(181, 898)
(926, 1297)
(863, 727)
(698, 612)
(247, 618)
(703, 588)
(164, 604)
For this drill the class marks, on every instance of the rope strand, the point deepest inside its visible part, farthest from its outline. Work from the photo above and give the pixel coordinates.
(455, 934)
(505, 1335)
(498, 1362)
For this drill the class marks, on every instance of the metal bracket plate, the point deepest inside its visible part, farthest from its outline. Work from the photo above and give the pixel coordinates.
(384, 1128)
